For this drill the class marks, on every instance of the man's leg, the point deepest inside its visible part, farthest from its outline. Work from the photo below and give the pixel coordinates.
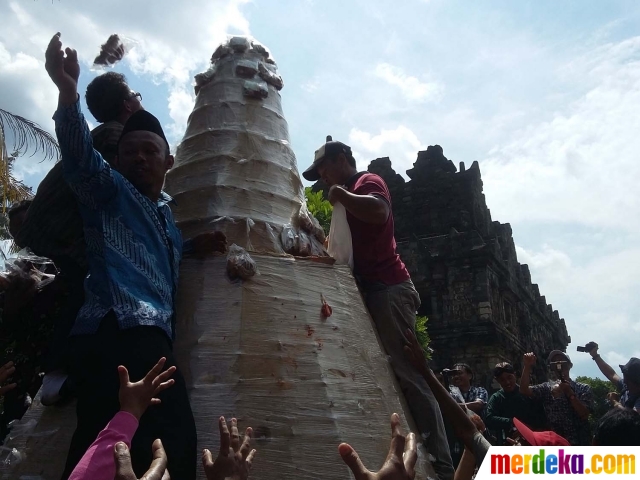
(172, 421)
(393, 309)
(95, 365)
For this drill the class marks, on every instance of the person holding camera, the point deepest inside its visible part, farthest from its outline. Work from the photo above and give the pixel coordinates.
(628, 386)
(566, 403)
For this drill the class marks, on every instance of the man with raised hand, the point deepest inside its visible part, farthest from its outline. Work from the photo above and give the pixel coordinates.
(384, 282)
(628, 385)
(133, 252)
(567, 404)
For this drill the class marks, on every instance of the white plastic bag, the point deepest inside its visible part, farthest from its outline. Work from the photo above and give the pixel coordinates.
(340, 246)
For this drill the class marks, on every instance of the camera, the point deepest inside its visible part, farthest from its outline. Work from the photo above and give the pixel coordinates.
(582, 349)
(557, 366)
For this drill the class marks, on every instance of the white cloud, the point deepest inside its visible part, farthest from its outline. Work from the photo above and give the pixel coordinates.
(180, 106)
(166, 55)
(410, 87)
(400, 144)
(580, 165)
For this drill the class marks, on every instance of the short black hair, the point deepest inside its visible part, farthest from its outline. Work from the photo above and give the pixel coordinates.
(466, 367)
(17, 207)
(105, 95)
(618, 427)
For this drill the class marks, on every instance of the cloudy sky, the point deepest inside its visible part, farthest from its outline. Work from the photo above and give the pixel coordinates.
(546, 99)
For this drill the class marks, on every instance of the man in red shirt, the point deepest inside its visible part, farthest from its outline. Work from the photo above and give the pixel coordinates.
(384, 281)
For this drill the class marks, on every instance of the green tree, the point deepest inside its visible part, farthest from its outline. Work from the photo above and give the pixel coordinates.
(28, 137)
(600, 389)
(319, 208)
(422, 334)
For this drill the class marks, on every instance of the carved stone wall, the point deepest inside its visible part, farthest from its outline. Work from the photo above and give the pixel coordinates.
(482, 307)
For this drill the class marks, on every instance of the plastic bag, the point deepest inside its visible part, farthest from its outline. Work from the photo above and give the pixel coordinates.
(288, 238)
(240, 264)
(113, 51)
(340, 246)
(25, 270)
(258, 90)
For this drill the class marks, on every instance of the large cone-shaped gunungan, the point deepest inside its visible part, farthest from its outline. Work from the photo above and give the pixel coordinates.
(259, 349)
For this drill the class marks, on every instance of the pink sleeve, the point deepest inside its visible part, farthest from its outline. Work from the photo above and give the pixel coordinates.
(98, 462)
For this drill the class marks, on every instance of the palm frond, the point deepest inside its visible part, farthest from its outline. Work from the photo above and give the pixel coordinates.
(28, 135)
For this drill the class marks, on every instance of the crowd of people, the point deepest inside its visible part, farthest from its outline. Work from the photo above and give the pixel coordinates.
(102, 330)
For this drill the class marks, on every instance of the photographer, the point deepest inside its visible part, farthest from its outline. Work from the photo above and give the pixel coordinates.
(628, 386)
(566, 403)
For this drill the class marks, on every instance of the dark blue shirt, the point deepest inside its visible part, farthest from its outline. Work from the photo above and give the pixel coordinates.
(626, 399)
(133, 245)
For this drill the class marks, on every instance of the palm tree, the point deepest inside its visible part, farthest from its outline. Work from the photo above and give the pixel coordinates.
(27, 136)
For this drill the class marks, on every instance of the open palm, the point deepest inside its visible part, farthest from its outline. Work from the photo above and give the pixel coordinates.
(234, 460)
(63, 70)
(401, 459)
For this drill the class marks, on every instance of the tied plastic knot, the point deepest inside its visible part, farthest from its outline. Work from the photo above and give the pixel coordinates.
(240, 264)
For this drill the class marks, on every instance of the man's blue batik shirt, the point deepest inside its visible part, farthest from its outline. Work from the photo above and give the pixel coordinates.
(133, 245)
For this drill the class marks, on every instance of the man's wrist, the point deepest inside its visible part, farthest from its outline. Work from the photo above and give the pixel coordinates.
(67, 98)
(595, 357)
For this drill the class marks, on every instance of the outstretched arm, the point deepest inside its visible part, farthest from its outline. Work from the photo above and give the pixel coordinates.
(97, 463)
(605, 368)
(84, 169)
(529, 361)
(462, 425)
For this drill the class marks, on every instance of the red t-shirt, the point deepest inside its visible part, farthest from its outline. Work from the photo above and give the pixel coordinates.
(374, 246)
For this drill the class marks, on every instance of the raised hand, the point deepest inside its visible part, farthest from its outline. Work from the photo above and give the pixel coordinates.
(136, 397)
(157, 470)
(63, 70)
(234, 460)
(529, 359)
(5, 372)
(592, 348)
(613, 397)
(400, 463)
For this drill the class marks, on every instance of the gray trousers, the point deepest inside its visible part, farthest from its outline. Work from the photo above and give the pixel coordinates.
(393, 309)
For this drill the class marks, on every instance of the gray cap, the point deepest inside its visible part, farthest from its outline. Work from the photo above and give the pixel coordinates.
(558, 352)
(329, 149)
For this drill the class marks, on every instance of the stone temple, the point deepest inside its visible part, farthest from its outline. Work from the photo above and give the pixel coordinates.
(481, 303)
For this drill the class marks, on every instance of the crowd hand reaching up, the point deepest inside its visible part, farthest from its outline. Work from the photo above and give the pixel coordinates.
(400, 463)
(136, 397)
(157, 470)
(64, 70)
(5, 372)
(613, 397)
(234, 460)
(529, 359)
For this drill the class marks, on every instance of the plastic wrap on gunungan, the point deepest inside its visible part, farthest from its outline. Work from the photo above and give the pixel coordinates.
(235, 170)
(260, 349)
